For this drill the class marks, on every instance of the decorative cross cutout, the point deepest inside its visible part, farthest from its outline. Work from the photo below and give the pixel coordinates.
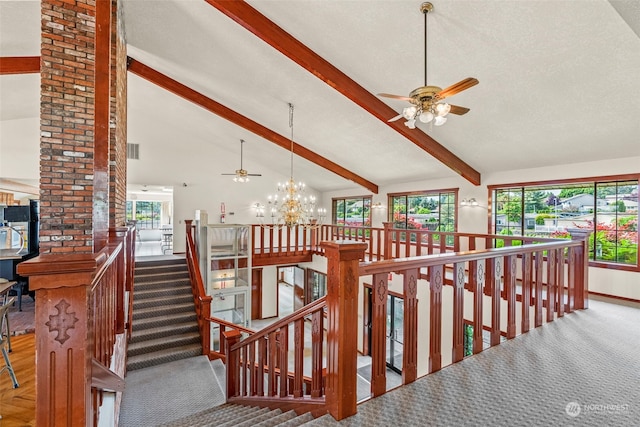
(62, 321)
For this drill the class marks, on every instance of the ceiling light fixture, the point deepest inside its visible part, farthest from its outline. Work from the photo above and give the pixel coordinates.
(241, 175)
(289, 207)
(427, 101)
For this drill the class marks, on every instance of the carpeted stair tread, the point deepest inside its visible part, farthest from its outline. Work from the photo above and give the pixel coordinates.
(163, 356)
(161, 275)
(159, 262)
(167, 319)
(212, 416)
(149, 312)
(162, 291)
(140, 347)
(297, 421)
(274, 419)
(250, 416)
(161, 284)
(162, 301)
(162, 331)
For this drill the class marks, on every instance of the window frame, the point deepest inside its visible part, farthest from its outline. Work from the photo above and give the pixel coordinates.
(425, 193)
(594, 181)
(364, 199)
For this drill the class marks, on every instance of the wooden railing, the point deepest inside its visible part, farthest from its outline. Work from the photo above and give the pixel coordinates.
(81, 324)
(257, 363)
(524, 283)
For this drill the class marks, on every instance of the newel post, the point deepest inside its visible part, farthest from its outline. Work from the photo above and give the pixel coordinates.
(232, 362)
(64, 338)
(581, 273)
(342, 305)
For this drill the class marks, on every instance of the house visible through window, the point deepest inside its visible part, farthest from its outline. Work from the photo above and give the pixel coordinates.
(434, 211)
(353, 211)
(607, 207)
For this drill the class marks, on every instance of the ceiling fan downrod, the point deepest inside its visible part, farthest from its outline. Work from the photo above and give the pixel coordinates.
(425, 8)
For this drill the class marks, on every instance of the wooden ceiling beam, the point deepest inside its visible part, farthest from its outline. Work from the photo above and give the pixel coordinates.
(19, 64)
(177, 88)
(245, 15)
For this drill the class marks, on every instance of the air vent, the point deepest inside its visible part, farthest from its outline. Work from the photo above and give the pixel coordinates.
(133, 151)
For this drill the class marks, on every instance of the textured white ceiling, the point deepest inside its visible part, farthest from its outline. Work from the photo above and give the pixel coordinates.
(558, 83)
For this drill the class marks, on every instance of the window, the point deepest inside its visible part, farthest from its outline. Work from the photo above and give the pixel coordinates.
(354, 211)
(608, 207)
(434, 211)
(148, 214)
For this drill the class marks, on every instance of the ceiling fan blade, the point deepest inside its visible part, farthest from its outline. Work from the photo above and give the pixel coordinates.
(393, 119)
(388, 95)
(228, 174)
(458, 87)
(254, 174)
(458, 110)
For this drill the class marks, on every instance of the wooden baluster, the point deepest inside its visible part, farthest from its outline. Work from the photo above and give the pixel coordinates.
(571, 279)
(317, 335)
(379, 334)
(560, 304)
(496, 269)
(410, 326)
(526, 290)
(253, 370)
(430, 243)
(342, 312)
(262, 362)
(271, 247)
(283, 357)
(551, 285)
(478, 278)
(407, 247)
(272, 364)
(232, 363)
(242, 351)
(457, 353)
(436, 280)
(443, 243)
(510, 293)
(387, 253)
(539, 261)
(298, 358)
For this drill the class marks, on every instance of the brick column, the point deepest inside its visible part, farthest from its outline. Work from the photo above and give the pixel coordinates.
(75, 125)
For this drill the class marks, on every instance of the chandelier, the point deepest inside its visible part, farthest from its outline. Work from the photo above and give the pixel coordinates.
(290, 206)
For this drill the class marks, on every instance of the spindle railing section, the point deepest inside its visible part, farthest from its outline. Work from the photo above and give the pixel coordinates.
(82, 320)
(501, 285)
(282, 365)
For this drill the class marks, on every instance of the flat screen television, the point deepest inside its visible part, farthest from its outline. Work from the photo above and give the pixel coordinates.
(16, 214)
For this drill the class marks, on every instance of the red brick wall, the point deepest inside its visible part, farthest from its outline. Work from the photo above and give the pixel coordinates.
(118, 149)
(67, 126)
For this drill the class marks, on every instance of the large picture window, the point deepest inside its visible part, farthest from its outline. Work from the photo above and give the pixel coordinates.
(434, 211)
(353, 211)
(607, 207)
(148, 214)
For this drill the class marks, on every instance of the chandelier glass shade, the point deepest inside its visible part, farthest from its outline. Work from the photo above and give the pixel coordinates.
(290, 206)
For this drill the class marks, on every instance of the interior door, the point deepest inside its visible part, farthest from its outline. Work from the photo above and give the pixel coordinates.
(395, 332)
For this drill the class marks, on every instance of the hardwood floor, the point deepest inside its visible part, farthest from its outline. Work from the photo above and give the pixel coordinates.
(18, 406)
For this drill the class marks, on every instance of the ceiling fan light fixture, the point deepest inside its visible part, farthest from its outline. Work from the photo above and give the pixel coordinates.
(442, 109)
(411, 123)
(409, 112)
(426, 116)
(439, 120)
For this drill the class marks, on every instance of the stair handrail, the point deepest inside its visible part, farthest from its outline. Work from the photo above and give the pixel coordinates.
(201, 300)
(265, 354)
(298, 314)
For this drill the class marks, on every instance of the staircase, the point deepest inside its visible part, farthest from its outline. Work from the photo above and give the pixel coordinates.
(229, 415)
(165, 327)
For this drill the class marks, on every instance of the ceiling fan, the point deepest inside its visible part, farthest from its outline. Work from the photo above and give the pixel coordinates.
(427, 105)
(241, 175)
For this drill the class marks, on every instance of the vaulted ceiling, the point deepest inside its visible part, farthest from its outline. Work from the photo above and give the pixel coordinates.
(558, 84)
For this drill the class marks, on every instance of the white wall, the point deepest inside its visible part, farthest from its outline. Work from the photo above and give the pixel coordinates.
(475, 219)
(20, 148)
